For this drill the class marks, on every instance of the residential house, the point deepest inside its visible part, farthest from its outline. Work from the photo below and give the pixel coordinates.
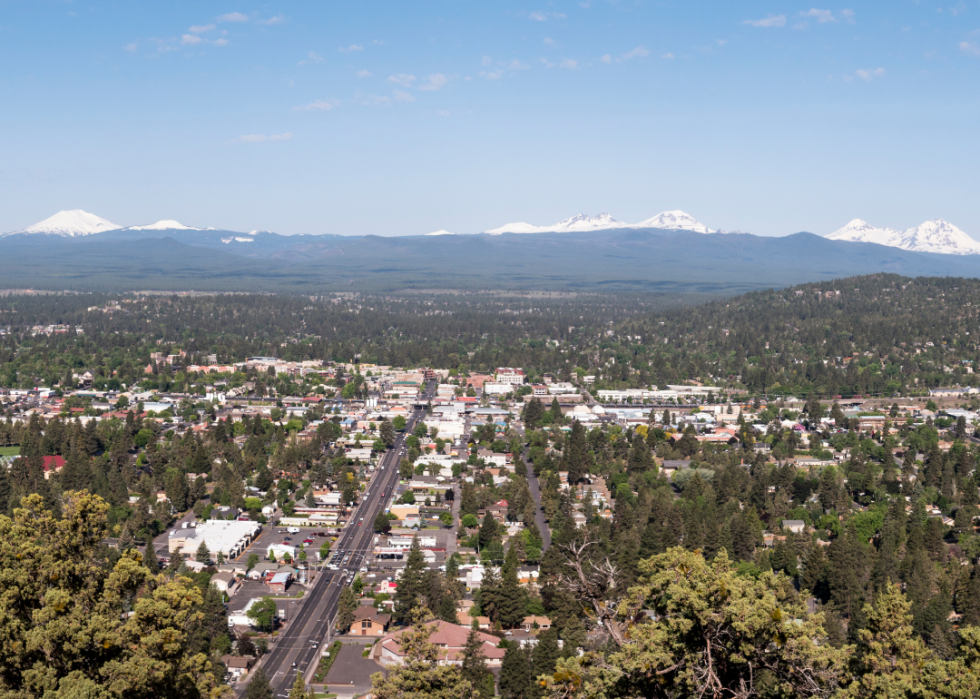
(449, 640)
(368, 621)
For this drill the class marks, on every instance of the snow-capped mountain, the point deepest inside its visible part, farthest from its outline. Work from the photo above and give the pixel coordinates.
(165, 225)
(70, 223)
(674, 220)
(671, 220)
(575, 224)
(858, 231)
(441, 232)
(937, 236)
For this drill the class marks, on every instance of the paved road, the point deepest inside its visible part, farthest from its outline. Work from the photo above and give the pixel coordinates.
(293, 651)
(535, 488)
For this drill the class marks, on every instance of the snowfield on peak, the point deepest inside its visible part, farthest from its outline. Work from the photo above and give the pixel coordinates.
(165, 225)
(441, 232)
(674, 220)
(671, 220)
(74, 222)
(936, 236)
(577, 223)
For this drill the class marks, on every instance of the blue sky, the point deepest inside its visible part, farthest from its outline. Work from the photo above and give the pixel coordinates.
(397, 118)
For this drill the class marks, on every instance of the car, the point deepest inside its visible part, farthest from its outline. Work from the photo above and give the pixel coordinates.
(315, 644)
(287, 538)
(307, 541)
(294, 663)
(292, 530)
(360, 523)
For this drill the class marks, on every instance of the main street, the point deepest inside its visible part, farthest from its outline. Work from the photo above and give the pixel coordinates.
(293, 651)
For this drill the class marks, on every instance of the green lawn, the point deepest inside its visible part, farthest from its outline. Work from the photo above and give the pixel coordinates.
(9, 451)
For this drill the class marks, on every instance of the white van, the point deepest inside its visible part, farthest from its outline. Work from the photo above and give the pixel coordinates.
(293, 530)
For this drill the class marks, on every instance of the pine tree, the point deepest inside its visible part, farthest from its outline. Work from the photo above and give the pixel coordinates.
(511, 604)
(346, 607)
(474, 663)
(488, 530)
(544, 658)
(515, 674)
(150, 557)
(298, 690)
(203, 554)
(421, 676)
(410, 584)
(220, 558)
(259, 686)
(575, 457)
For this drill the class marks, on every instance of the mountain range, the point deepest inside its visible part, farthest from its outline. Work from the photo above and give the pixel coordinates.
(936, 236)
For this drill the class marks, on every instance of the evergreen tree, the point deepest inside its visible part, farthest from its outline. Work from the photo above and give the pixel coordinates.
(473, 665)
(489, 530)
(150, 557)
(420, 675)
(346, 607)
(515, 674)
(203, 555)
(575, 457)
(410, 584)
(533, 412)
(259, 686)
(511, 604)
(298, 690)
(543, 659)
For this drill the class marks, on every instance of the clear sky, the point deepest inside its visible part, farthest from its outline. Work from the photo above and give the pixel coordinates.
(397, 117)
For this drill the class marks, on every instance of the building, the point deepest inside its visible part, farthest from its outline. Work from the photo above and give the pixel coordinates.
(794, 525)
(509, 375)
(225, 582)
(279, 582)
(368, 621)
(230, 537)
(237, 667)
(449, 640)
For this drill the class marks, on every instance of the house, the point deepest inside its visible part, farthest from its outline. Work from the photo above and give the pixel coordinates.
(449, 640)
(279, 582)
(53, 464)
(225, 582)
(368, 621)
(237, 667)
(794, 525)
(539, 623)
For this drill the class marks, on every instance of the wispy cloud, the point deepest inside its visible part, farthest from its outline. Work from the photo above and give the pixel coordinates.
(771, 21)
(262, 138)
(349, 49)
(569, 63)
(402, 79)
(867, 74)
(402, 96)
(277, 19)
(363, 74)
(311, 57)
(822, 16)
(545, 16)
(638, 52)
(970, 48)
(132, 46)
(191, 39)
(436, 81)
(233, 17)
(316, 106)
(201, 28)
(491, 74)
(549, 41)
(668, 56)
(848, 16)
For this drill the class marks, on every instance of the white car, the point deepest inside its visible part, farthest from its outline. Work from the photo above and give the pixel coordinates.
(293, 530)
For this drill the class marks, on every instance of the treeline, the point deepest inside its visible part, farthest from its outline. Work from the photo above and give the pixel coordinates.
(877, 334)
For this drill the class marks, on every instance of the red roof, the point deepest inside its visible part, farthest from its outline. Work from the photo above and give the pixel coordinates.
(54, 463)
